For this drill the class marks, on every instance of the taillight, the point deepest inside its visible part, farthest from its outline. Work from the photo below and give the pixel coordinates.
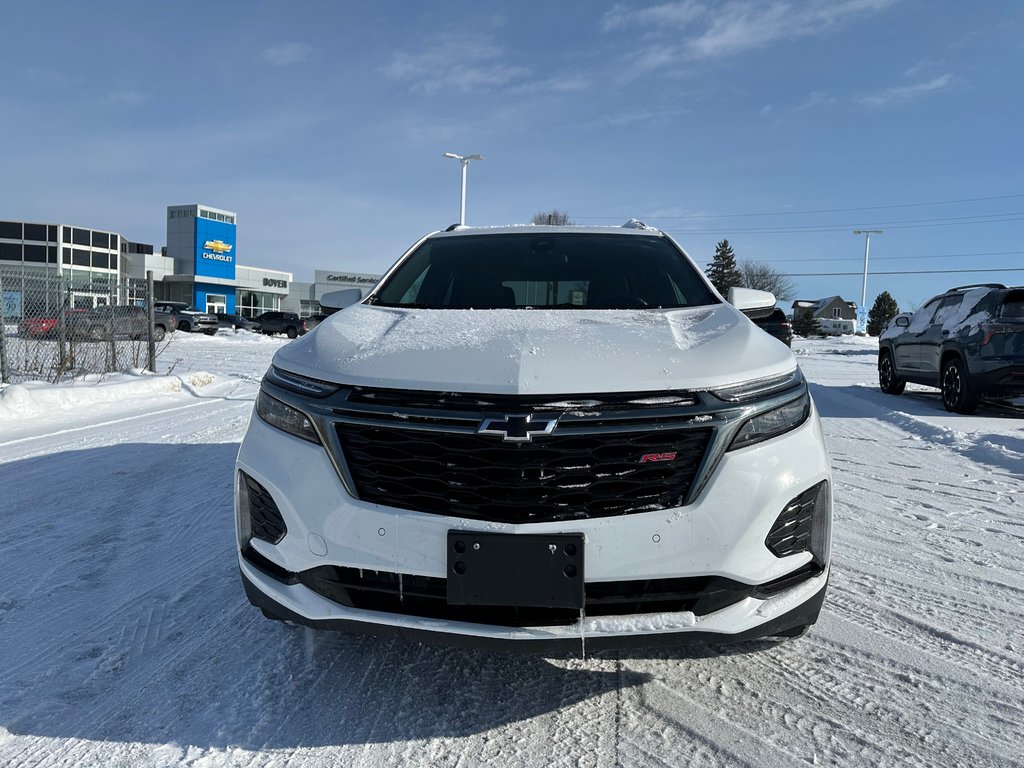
(991, 330)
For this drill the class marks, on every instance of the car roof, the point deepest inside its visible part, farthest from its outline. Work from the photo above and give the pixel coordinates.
(543, 229)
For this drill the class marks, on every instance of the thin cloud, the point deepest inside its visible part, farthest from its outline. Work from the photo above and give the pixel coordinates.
(716, 31)
(904, 93)
(460, 64)
(677, 14)
(287, 53)
(128, 98)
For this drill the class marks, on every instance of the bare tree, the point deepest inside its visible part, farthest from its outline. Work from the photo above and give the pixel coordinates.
(756, 274)
(554, 216)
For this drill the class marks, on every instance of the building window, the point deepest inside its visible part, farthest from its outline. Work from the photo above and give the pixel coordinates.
(100, 240)
(81, 237)
(67, 255)
(80, 258)
(35, 232)
(10, 251)
(836, 312)
(66, 237)
(10, 230)
(35, 253)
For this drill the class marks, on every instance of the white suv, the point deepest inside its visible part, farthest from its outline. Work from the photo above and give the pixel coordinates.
(537, 438)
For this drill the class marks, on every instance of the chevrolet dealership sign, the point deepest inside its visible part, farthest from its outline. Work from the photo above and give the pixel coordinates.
(219, 248)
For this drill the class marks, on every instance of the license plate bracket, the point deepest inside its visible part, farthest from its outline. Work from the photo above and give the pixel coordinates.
(536, 570)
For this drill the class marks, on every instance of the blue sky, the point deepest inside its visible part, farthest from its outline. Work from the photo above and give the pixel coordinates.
(323, 123)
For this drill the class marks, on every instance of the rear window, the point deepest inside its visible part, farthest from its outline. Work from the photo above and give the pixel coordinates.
(1013, 305)
(545, 271)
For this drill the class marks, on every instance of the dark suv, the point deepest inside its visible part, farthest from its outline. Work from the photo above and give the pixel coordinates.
(777, 325)
(281, 322)
(968, 342)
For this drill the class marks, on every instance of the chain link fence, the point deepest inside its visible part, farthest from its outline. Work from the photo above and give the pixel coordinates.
(57, 327)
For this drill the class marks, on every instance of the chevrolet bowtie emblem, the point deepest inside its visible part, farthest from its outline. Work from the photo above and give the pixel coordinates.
(517, 429)
(217, 246)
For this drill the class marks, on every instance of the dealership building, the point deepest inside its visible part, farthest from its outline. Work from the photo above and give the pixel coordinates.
(199, 265)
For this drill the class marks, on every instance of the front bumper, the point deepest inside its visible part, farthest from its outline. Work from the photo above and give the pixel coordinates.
(752, 618)
(721, 534)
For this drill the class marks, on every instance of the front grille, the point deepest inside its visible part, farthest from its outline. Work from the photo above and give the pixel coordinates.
(554, 477)
(426, 597)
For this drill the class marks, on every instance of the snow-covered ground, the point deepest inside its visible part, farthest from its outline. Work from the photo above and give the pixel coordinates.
(125, 638)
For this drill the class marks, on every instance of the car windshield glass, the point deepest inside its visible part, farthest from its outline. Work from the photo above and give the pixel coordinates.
(545, 271)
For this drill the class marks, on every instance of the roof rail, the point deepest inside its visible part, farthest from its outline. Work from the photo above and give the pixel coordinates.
(977, 285)
(453, 227)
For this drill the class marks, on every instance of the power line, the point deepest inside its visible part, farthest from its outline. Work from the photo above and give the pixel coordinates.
(824, 228)
(900, 258)
(902, 272)
(823, 210)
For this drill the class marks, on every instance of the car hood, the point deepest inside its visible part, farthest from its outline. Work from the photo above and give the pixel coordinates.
(528, 351)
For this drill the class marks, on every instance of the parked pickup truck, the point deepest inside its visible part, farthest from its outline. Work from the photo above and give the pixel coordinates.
(288, 323)
(104, 323)
(538, 438)
(190, 319)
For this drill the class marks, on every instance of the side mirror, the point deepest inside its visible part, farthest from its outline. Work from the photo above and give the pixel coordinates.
(753, 304)
(335, 300)
(903, 321)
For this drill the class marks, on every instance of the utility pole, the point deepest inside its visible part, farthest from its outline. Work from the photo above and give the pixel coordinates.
(862, 312)
(464, 160)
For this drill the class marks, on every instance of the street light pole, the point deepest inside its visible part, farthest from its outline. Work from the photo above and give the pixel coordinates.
(864, 286)
(464, 161)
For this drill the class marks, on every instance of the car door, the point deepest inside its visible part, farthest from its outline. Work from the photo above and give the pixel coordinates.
(932, 339)
(906, 346)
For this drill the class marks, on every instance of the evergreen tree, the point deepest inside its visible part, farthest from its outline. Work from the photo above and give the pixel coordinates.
(722, 271)
(806, 324)
(885, 309)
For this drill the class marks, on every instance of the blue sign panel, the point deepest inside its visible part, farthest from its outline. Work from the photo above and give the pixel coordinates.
(215, 249)
(221, 294)
(11, 305)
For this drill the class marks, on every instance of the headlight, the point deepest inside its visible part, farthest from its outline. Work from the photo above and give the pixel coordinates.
(301, 384)
(285, 418)
(774, 422)
(758, 388)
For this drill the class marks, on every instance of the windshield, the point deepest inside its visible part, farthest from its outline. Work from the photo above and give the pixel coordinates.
(544, 271)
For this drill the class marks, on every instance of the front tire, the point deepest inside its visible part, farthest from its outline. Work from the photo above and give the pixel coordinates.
(956, 389)
(292, 332)
(888, 381)
(159, 333)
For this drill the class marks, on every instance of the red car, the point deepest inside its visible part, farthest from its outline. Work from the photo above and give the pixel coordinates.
(42, 327)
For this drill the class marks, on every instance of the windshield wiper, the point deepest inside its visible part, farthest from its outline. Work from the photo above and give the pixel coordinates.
(401, 305)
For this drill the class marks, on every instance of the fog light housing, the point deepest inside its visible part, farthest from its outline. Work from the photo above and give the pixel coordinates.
(805, 525)
(258, 514)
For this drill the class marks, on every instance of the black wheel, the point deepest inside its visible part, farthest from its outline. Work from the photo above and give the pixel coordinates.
(159, 333)
(183, 326)
(956, 389)
(888, 381)
(292, 332)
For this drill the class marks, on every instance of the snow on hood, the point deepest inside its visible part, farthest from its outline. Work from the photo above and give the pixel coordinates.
(521, 351)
